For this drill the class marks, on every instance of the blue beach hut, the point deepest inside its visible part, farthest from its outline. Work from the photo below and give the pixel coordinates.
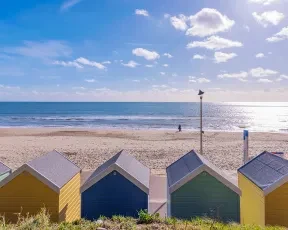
(118, 187)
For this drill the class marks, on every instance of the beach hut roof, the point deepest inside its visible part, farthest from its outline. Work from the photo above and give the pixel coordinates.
(127, 166)
(53, 169)
(4, 168)
(189, 166)
(267, 171)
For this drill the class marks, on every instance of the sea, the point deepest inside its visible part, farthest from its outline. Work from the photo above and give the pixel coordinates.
(260, 117)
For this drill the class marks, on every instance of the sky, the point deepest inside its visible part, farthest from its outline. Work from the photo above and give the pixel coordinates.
(144, 50)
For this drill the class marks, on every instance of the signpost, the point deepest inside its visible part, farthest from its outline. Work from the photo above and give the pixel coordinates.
(246, 146)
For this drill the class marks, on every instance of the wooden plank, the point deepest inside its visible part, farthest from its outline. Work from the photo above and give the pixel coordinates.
(69, 200)
(276, 204)
(252, 202)
(29, 194)
(204, 195)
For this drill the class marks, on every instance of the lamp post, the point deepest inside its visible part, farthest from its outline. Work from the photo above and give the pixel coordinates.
(201, 129)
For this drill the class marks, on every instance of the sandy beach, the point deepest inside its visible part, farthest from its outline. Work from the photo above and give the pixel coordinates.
(154, 148)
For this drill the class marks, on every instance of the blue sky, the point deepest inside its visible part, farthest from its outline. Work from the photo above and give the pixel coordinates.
(127, 50)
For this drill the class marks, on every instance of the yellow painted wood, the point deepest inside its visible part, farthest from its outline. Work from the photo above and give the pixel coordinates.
(70, 200)
(26, 194)
(276, 206)
(252, 202)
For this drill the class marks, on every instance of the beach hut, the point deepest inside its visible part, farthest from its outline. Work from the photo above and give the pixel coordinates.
(4, 171)
(264, 185)
(50, 181)
(118, 187)
(196, 188)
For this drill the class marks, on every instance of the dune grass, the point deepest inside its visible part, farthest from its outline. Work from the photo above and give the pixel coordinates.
(145, 221)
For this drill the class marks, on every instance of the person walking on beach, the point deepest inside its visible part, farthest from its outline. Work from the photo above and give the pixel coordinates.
(179, 128)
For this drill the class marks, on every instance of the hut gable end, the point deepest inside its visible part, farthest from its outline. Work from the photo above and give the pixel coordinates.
(191, 165)
(53, 169)
(127, 166)
(267, 171)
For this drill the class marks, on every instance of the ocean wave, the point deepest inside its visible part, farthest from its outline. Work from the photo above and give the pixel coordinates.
(100, 118)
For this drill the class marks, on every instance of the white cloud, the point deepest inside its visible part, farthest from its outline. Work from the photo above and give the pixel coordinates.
(162, 73)
(85, 61)
(165, 65)
(192, 79)
(179, 22)
(160, 86)
(282, 77)
(200, 57)
(247, 28)
(167, 16)
(220, 57)
(260, 55)
(264, 80)
(68, 64)
(148, 55)
(78, 88)
(106, 62)
(142, 12)
(260, 72)
(174, 75)
(269, 17)
(282, 35)
(9, 87)
(68, 4)
(131, 64)
(47, 49)
(214, 43)
(167, 55)
(203, 80)
(243, 80)
(136, 81)
(263, 2)
(149, 66)
(240, 76)
(208, 22)
(90, 80)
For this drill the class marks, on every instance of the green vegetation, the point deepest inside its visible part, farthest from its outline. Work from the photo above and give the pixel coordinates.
(145, 221)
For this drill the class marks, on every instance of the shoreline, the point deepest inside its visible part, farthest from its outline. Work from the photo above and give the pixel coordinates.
(135, 129)
(156, 149)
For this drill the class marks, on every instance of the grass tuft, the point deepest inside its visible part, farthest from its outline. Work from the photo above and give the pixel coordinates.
(145, 221)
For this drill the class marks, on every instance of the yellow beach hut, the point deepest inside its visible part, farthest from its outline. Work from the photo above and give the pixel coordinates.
(50, 181)
(264, 185)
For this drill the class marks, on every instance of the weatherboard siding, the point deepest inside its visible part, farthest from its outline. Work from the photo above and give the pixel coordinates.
(276, 206)
(70, 200)
(26, 194)
(204, 195)
(113, 195)
(252, 202)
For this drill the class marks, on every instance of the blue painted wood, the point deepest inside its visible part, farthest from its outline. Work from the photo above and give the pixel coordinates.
(113, 195)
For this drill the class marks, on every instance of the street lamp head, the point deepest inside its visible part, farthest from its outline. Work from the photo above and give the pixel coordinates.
(200, 93)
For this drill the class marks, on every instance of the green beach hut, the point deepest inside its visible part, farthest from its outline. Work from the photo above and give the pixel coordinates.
(4, 171)
(197, 188)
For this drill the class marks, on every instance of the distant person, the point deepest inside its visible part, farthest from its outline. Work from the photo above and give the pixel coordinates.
(179, 128)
